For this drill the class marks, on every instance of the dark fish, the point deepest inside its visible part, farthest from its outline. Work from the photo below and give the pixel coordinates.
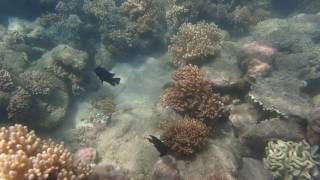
(105, 75)
(159, 145)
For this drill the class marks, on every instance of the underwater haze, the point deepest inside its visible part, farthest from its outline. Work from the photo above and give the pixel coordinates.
(159, 89)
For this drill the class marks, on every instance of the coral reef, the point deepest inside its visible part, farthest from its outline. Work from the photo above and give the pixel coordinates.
(39, 83)
(195, 42)
(19, 105)
(68, 64)
(23, 155)
(191, 95)
(185, 137)
(6, 82)
(290, 160)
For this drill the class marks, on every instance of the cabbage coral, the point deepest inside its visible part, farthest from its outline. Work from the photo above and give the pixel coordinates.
(185, 137)
(195, 42)
(23, 155)
(192, 95)
(290, 160)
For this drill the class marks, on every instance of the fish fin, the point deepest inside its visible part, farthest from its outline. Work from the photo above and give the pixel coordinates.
(158, 144)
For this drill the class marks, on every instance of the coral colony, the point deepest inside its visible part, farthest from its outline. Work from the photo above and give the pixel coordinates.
(159, 89)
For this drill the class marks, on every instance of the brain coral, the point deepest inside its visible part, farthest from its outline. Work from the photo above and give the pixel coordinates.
(185, 137)
(195, 42)
(23, 155)
(192, 95)
(290, 160)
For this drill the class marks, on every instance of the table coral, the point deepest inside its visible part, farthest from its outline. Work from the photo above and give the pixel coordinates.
(192, 95)
(291, 160)
(195, 42)
(185, 137)
(23, 155)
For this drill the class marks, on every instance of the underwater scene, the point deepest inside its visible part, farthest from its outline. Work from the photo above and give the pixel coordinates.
(159, 89)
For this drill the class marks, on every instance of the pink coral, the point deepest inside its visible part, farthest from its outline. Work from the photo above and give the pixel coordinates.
(258, 50)
(85, 155)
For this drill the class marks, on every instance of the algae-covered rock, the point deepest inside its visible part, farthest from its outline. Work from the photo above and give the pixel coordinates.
(253, 169)
(257, 136)
(71, 66)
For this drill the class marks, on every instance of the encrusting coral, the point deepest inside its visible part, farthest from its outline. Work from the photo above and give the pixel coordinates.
(291, 160)
(192, 95)
(23, 155)
(195, 42)
(185, 137)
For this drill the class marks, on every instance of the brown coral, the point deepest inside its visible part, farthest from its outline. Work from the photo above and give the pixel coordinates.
(23, 155)
(185, 137)
(192, 95)
(147, 14)
(195, 42)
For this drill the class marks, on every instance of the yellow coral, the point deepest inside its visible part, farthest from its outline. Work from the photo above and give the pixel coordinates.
(23, 155)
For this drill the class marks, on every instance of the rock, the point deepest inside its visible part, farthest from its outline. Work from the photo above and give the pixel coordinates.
(224, 69)
(108, 171)
(243, 117)
(220, 160)
(257, 136)
(86, 156)
(253, 170)
(166, 169)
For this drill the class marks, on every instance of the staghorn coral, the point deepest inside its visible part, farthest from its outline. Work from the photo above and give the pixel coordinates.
(39, 83)
(185, 137)
(195, 42)
(23, 155)
(192, 95)
(291, 160)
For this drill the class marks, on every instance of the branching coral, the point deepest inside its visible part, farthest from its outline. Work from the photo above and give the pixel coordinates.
(23, 155)
(39, 82)
(195, 42)
(192, 95)
(185, 137)
(147, 14)
(19, 104)
(100, 9)
(6, 83)
(290, 160)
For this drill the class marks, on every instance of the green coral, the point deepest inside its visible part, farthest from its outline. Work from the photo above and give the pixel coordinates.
(291, 160)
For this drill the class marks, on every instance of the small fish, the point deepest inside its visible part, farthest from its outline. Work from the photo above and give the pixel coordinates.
(105, 75)
(159, 145)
